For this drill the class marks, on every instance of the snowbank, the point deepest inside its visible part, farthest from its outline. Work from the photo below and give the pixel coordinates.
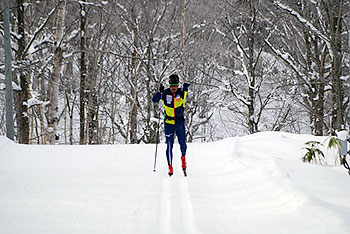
(251, 184)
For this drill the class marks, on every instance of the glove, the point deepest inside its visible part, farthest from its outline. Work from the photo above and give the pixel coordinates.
(186, 85)
(161, 88)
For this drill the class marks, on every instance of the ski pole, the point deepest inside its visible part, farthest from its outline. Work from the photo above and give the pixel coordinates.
(155, 155)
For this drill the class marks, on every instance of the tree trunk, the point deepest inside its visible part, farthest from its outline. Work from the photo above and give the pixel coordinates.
(252, 125)
(135, 66)
(91, 125)
(320, 105)
(133, 108)
(336, 16)
(22, 96)
(82, 73)
(57, 67)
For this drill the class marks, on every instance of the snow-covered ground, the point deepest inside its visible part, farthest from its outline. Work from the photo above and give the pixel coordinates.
(251, 184)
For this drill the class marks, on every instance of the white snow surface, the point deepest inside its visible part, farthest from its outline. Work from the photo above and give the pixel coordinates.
(250, 184)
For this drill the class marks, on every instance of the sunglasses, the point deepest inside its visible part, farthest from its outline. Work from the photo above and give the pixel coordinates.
(174, 85)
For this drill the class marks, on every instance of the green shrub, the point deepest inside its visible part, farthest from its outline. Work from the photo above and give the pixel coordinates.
(313, 152)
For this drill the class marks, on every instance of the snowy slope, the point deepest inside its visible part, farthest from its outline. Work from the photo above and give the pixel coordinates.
(251, 184)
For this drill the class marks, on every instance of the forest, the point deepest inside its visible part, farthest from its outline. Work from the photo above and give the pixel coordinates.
(85, 71)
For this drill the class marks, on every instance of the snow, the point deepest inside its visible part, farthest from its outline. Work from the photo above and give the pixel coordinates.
(250, 184)
(73, 34)
(198, 26)
(32, 102)
(15, 87)
(88, 4)
(50, 129)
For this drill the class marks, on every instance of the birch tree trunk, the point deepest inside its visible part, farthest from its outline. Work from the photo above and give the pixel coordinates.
(132, 125)
(252, 124)
(57, 67)
(91, 125)
(92, 104)
(134, 73)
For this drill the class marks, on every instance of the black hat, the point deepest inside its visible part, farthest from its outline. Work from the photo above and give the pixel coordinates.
(173, 79)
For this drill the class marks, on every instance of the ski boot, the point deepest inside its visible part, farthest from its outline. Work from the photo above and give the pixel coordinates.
(183, 160)
(171, 171)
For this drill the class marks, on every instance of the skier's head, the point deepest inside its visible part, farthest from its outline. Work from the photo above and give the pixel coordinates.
(173, 82)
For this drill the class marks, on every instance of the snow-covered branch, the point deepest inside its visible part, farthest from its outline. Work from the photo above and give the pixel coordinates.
(302, 20)
(39, 29)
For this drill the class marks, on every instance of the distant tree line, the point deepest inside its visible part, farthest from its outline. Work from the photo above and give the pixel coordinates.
(84, 72)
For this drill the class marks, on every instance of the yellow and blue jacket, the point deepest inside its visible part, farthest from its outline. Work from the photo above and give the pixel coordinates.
(174, 103)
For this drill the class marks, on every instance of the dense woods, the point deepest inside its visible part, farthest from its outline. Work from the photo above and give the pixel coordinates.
(84, 72)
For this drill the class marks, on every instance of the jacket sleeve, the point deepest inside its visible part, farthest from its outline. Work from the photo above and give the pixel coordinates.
(156, 97)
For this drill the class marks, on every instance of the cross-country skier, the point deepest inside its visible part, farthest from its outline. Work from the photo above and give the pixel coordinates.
(173, 99)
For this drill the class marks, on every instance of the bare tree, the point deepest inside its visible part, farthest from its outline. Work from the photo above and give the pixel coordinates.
(248, 66)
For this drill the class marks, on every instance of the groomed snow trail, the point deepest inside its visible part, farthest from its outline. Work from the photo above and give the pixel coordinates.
(253, 184)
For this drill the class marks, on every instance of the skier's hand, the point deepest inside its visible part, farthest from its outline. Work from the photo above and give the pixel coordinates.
(186, 85)
(161, 88)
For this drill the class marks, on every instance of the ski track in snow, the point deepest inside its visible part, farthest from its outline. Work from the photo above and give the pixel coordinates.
(52, 207)
(23, 206)
(163, 212)
(231, 187)
(188, 222)
(175, 204)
